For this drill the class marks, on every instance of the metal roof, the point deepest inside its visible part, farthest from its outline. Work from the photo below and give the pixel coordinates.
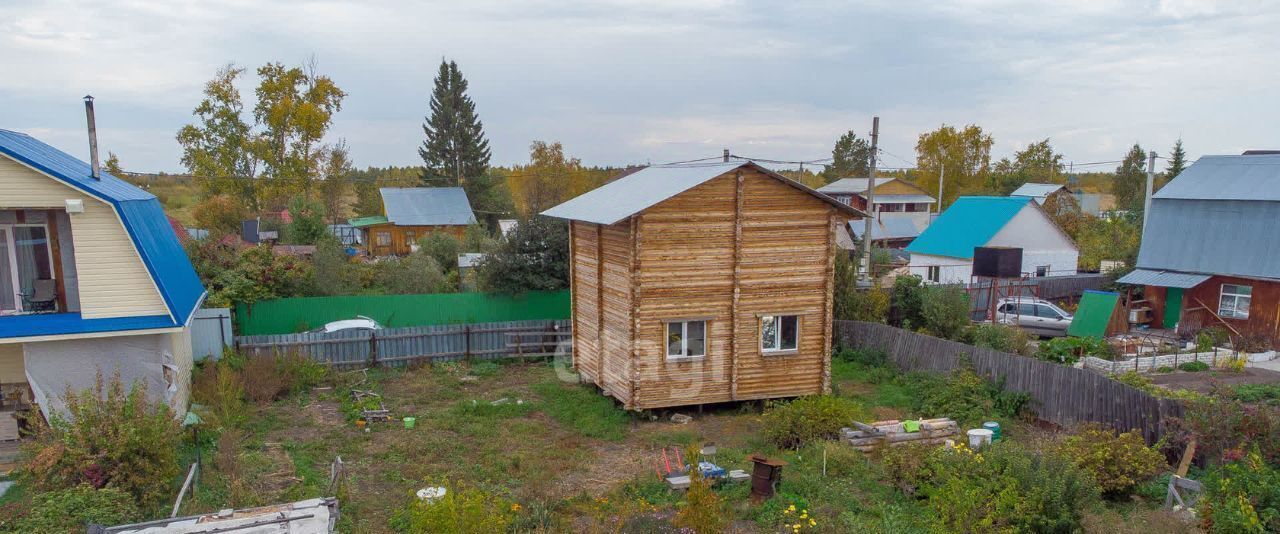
(887, 228)
(469, 259)
(1227, 237)
(638, 191)
(361, 222)
(1036, 190)
(1147, 277)
(849, 185)
(139, 211)
(427, 206)
(1255, 177)
(969, 222)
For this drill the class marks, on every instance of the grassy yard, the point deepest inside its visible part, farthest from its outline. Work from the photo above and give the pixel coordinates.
(567, 456)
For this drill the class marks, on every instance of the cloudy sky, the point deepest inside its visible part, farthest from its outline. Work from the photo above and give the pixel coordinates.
(662, 80)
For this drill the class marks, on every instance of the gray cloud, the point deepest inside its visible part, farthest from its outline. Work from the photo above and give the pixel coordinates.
(627, 82)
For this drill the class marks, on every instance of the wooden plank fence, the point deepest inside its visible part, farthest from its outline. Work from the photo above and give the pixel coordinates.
(1061, 395)
(397, 347)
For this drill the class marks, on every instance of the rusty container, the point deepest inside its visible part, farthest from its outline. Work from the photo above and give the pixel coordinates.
(765, 477)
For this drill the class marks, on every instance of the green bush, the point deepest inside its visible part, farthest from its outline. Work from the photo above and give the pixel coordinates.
(1004, 488)
(1243, 496)
(907, 301)
(1003, 338)
(964, 396)
(72, 509)
(1117, 462)
(1165, 369)
(792, 424)
(462, 509)
(1069, 350)
(1194, 367)
(945, 311)
(1213, 336)
(110, 438)
(1254, 393)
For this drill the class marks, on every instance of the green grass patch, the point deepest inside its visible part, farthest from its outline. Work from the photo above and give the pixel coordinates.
(585, 411)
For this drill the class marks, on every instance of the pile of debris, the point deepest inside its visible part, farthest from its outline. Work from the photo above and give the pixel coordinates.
(868, 437)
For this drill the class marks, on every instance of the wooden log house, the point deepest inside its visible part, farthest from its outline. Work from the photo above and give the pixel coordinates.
(703, 283)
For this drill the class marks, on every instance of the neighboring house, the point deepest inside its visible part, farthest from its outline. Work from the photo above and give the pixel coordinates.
(886, 232)
(901, 209)
(1089, 203)
(944, 252)
(1210, 251)
(467, 262)
(92, 279)
(409, 214)
(703, 283)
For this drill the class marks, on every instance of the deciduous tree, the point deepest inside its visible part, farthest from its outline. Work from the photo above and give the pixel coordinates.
(218, 150)
(1130, 183)
(1038, 163)
(964, 156)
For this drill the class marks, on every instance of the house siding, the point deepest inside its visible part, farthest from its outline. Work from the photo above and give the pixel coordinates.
(1264, 308)
(693, 257)
(11, 369)
(401, 242)
(111, 278)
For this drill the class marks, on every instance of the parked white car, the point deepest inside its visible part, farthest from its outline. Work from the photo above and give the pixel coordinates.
(359, 323)
(1036, 316)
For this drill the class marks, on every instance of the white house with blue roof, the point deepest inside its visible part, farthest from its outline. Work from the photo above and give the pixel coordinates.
(92, 277)
(944, 251)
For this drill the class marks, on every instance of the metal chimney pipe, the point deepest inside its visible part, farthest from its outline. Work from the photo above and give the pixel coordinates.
(93, 137)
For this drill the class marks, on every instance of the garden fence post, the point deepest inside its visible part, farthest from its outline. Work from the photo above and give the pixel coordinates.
(373, 349)
(466, 333)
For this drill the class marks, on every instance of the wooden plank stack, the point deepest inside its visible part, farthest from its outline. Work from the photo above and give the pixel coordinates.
(867, 438)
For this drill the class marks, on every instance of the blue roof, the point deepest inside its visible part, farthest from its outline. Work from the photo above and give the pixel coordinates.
(969, 222)
(143, 218)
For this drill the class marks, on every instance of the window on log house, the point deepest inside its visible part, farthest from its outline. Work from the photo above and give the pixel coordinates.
(686, 339)
(779, 333)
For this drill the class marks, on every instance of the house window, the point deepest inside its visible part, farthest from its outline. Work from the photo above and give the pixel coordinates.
(409, 237)
(779, 333)
(382, 239)
(1234, 303)
(686, 339)
(26, 268)
(1042, 271)
(933, 273)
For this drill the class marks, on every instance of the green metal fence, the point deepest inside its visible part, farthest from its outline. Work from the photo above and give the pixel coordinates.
(286, 316)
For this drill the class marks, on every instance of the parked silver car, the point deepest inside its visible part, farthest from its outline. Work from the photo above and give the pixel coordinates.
(1036, 316)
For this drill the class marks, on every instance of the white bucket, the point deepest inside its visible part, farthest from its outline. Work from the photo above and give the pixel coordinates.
(979, 438)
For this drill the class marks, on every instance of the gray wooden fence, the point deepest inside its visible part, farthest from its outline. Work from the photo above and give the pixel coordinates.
(210, 332)
(419, 344)
(1061, 395)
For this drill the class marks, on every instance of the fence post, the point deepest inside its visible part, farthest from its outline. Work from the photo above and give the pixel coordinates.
(373, 348)
(466, 332)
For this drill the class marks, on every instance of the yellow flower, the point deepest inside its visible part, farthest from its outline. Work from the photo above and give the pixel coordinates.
(515, 507)
(805, 515)
(791, 508)
(813, 523)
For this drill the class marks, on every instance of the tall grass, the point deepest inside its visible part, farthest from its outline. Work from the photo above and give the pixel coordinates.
(585, 411)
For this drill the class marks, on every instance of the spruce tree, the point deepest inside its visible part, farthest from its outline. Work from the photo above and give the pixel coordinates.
(850, 158)
(1177, 162)
(455, 148)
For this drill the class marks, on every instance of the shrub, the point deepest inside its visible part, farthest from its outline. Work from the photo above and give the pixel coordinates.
(462, 510)
(1117, 462)
(792, 424)
(1194, 367)
(964, 396)
(999, 337)
(219, 386)
(945, 311)
(1254, 393)
(1213, 336)
(907, 302)
(871, 305)
(1005, 488)
(1069, 350)
(1165, 369)
(1221, 425)
(72, 509)
(1243, 496)
(109, 438)
(702, 511)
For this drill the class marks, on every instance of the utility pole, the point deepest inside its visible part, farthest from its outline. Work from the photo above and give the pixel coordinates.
(1151, 178)
(726, 155)
(871, 203)
(942, 175)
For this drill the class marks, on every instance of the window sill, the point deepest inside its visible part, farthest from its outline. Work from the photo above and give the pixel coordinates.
(788, 352)
(685, 359)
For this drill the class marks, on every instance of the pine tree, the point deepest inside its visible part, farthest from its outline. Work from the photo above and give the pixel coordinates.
(455, 148)
(1177, 162)
(851, 158)
(1131, 180)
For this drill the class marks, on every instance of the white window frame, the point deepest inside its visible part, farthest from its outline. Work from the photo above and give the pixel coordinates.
(1045, 268)
(1235, 299)
(933, 273)
(377, 238)
(11, 243)
(683, 324)
(777, 349)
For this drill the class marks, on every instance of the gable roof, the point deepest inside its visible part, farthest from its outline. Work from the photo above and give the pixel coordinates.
(1030, 189)
(641, 190)
(139, 211)
(1217, 217)
(969, 222)
(1254, 177)
(427, 206)
(887, 228)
